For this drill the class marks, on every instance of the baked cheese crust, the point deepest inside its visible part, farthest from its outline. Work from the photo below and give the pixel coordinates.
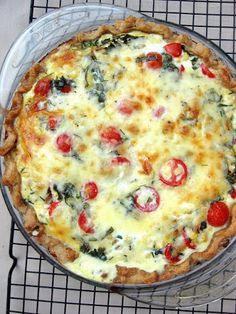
(120, 153)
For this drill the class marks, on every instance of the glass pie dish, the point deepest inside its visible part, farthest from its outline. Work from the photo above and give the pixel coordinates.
(204, 283)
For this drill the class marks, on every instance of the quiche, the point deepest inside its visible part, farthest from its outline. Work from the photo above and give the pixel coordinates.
(120, 153)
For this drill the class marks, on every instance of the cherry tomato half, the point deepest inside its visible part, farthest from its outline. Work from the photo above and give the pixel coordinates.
(233, 193)
(43, 87)
(66, 89)
(173, 49)
(84, 223)
(90, 191)
(188, 242)
(154, 60)
(206, 71)
(169, 256)
(174, 172)
(110, 135)
(120, 160)
(52, 208)
(146, 199)
(64, 143)
(52, 122)
(218, 214)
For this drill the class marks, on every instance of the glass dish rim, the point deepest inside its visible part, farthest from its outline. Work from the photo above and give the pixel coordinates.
(40, 249)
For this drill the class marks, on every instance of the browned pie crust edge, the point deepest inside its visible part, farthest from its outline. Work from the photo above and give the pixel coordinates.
(12, 178)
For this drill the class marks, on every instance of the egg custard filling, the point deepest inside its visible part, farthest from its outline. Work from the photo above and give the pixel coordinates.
(126, 153)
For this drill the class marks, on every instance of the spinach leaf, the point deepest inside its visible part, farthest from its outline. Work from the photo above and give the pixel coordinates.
(58, 84)
(203, 225)
(95, 82)
(69, 190)
(59, 193)
(156, 252)
(97, 253)
(231, 176)
(128, 203)
(145, 58)
(194, 62)
(168, 64)
(110, 42)
(71, 196)
(212, 96)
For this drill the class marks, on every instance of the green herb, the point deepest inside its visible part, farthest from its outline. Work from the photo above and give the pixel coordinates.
(76, 156)
(88, 44)
(211, 96)
(231, 176)
(69, 190)
(22, 170)
(194, 62)
(142, 59)
(168, 64)
(217, 199)
(85, 248)
(59, 194)
(223, 105)
(109, 231)
(222, 113)
(124, 136)
(128, 203)
(156, 252)
(72, 198)
(58, 84)
(111, 42)
(28, 200)
(203, 225)
(95, 82)
(97, 253)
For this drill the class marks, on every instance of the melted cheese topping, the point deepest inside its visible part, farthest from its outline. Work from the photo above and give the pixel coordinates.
(186, 116)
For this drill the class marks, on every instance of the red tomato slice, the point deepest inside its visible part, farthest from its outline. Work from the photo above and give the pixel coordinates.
(169, 256)
(174, 172)
(66, 89)
(146, 199)
(181, 69)
(43, 87)
(233, 193)
(64, 143)
(110, 135)
(120, 160)
(52, 122)
(218, 214)
(206, 71)
(90, 191)
(187, 240)
(159, 111)
(52, 208)
(173, 49)
(154, 60)
(84, 223)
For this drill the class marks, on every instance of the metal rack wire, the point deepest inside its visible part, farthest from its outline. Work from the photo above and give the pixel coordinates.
(34, 286)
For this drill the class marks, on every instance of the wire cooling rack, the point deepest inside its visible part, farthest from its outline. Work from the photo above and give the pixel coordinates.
(35, 286)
